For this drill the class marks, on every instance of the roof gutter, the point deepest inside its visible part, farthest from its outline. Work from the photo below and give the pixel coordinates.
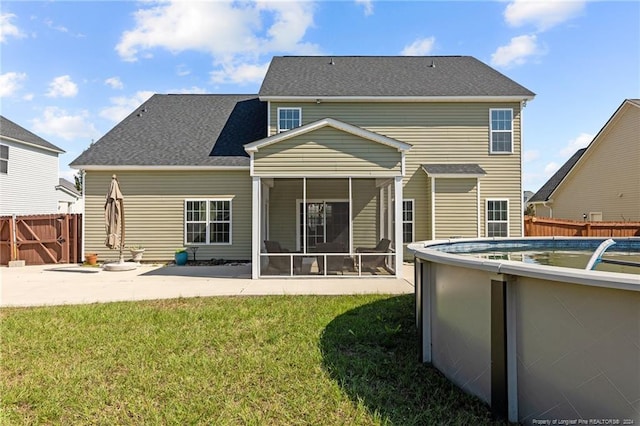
(155, 167)
(59, 151)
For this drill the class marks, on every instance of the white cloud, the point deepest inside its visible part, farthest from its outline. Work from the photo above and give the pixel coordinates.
(49, 23)
(516, 52)
(183, 70)
(62, 86)
(575, 144)
(550, 169)
(235, 34)
(239, 74)
(530, 156)
(114, 83)
(420, 47)
(122, 106)
(58, 122)
(219, 28)
(368, 6)
(7, 28)
(542, 14)
(194, 90)
(10, 83)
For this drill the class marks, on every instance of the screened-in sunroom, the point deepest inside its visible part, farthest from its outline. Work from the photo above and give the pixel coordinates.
(325, 201)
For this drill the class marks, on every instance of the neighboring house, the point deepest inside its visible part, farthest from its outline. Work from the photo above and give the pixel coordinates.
(602, 181)
(28, 172)
(69, 198)
(344, 150)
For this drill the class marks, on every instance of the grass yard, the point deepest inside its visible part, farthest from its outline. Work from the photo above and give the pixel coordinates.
(345, 360)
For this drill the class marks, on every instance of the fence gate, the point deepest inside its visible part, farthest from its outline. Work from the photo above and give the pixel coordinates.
(41, 239)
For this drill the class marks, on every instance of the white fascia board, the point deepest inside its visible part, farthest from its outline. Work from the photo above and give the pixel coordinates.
(168, 168)
(58, 151)
(316, 99)
(65, 190)
(336, 124)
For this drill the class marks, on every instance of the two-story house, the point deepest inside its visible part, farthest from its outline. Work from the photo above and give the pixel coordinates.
(28, 172)
(349, 155)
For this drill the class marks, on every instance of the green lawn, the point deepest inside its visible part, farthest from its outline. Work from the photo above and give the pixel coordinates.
(257, 360)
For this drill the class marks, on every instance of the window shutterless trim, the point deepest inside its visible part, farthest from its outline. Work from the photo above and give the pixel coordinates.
(492, 131)
(279, 129)
(4, 159)
(486, 214)
(412, 221)
(208, 221)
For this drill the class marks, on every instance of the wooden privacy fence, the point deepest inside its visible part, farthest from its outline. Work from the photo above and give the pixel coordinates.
(41, 239)
(545, 227)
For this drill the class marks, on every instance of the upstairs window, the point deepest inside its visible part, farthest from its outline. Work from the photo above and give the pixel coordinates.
(501, 130)
(289, 118)
(4, 159)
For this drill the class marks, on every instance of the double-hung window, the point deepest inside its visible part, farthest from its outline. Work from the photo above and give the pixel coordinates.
(4, 159)
(497, 218)
(208, 221)
(289, 118)
(407, 221)
(501, 131)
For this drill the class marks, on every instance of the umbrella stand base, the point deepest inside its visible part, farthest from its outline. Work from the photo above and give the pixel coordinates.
(120, 266)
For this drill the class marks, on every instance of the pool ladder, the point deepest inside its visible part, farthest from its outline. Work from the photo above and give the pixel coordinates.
(596, 257)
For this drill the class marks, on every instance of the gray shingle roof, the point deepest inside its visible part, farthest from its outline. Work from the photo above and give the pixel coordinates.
(453, 169)
(64, 183)
(545, 191)
(11, 130)
(381, 76)
(182, 130)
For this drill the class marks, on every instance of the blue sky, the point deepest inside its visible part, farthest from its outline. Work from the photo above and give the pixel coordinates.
(70, 71)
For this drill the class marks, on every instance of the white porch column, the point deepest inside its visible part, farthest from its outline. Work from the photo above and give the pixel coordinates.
(255, 228)
(398, 226)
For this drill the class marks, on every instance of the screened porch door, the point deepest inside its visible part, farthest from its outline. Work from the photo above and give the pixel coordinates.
(326, 221)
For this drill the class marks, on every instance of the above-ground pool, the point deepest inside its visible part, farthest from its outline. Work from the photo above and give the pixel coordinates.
(574, 253)
(522, 325)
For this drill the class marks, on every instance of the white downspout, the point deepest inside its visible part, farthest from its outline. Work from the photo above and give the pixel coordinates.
(433, 208)
(255, 227)
(83, 177)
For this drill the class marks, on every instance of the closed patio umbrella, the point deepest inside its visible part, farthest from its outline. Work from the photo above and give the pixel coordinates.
(114, 217)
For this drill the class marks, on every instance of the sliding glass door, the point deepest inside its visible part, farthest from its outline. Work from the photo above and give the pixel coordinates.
(326, 222)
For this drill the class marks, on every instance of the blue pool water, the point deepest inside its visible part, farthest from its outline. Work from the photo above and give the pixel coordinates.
(566, 253)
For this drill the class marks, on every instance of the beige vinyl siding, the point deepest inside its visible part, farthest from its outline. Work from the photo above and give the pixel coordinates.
(154, 211)
(607, 177)
(455, 132)
(327, 151)
(283, 208)
(454, 215)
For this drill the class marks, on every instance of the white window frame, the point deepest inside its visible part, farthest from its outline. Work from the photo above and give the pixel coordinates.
(208, 221)
(281, 109)
(486, 215)
(4, 160)
(412, 221)
(493, 131)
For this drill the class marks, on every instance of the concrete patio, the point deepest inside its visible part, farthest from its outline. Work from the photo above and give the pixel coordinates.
(74, 284)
